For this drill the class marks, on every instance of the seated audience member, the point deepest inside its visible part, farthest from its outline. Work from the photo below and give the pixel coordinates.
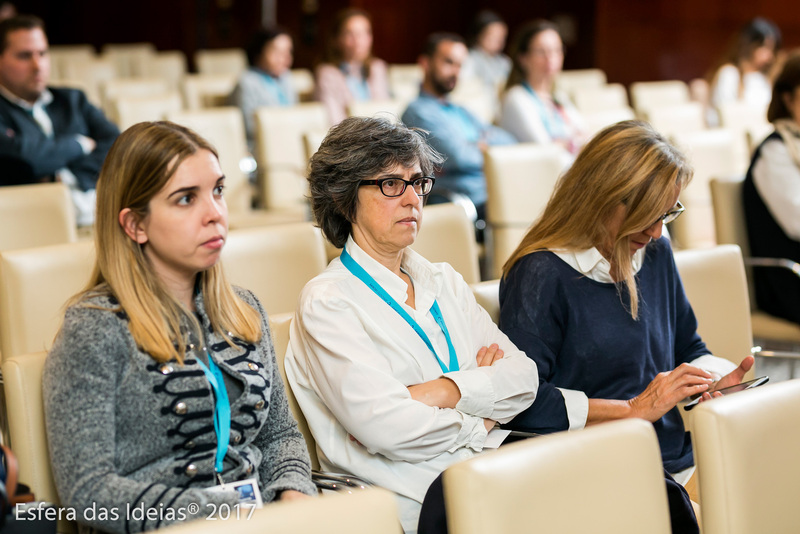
(772, 198)
(268, 81)
(486, 60)
(532, 110)
(592, 294)
(56, 131)
(744, 72)
(349, 72)
(398, 370)
(455, 132)
(162, 384)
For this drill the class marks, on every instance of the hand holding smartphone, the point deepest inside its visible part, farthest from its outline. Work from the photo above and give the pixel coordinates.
(750, 384)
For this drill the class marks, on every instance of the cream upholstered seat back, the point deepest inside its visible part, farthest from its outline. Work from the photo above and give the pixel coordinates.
(280, 325)
(729, 222)
(35, 284)
(275, 262)
(604, 479)
(746, 452)
(40, 214)
(281, 152)
(373, 511)
(488, 296)
(22, 377)
(716, 286)
(447, 234)
(599, 98)
(519, 181)
(206, 90)
(572, 79)
(711, 153)
(223, 127)
(646, 95)
(232, 61)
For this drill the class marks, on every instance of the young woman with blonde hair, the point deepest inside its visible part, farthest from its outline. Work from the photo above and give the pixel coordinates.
(162, 381)
(593, 296)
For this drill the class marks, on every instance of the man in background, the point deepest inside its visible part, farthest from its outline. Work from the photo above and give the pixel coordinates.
(47, 134)
(454, 131)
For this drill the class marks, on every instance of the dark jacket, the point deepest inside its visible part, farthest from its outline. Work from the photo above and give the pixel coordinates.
(71, 114)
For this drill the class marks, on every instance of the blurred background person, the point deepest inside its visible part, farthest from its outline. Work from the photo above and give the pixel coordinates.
(772, 198)
(532, 110)
(454, 132)
(349, 71)
(268, 81)
(744, 72)
(54, 133)
(486, 60)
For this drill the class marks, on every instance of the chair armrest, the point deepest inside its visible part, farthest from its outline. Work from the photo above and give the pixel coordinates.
(758, 351)
(338, 482)
(782, 263)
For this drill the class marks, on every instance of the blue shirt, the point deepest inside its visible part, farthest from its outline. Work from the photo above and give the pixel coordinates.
(582, 337)
(455, 133)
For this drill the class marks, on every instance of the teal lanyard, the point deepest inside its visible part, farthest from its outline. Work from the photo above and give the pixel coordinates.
(274, 85)
(553, 123)
(222, 409)
(359, 272)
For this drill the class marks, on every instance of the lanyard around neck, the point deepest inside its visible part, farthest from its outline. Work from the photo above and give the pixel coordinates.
(222, 409)
(359, 272)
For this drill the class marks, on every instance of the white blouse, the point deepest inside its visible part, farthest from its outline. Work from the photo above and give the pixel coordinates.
(352, 358)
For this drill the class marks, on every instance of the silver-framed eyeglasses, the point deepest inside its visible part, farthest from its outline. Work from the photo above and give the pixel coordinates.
(395, 187)
(672, 214)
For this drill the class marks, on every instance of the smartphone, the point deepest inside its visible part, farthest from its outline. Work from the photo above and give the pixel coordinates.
(750, 384)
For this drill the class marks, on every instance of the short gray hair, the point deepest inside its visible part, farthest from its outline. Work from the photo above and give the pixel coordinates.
(359, 148)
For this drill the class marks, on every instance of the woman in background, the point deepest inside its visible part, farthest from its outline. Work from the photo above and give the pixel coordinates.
(744, 73)
(772, 198)
(268, 81)
(350, 72)
(486, 60)
(532, 110)
(162, 382)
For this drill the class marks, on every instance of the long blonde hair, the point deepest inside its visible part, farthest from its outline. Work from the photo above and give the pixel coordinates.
(627, 164)
(139, 165)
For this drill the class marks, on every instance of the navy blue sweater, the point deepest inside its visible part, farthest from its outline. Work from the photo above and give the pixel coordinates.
(582, 337)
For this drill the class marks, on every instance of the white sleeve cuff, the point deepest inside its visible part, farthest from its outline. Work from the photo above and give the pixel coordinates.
(714, 365)
(472, 434)
(85, 142)
(477, 393)
(577, 404)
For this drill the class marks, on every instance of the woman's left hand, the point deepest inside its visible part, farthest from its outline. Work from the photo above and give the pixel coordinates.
(292, 495)
(731, 379)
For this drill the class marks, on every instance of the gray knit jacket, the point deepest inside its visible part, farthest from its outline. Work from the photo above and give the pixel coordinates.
(129, 435)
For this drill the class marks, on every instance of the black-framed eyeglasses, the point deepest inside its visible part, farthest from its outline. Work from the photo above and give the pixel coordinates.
(394, 187)
(672, 214)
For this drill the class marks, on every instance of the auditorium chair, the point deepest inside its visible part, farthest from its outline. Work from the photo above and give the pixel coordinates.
(600, 98)
(303, 84)
(275, 261)
(281, 154)
(487, 293)
(62, 54)
(368, 512)
(169, 65)
(677, 119)
(117, 88)
(232, 61)
(404, 80)
(35, 284)
(569, 80)
(715, 284)
(646, 95)
(745, 447)
(597, 120)
(133, 109)
(129, 58)
(519, 181)
(92, 73)
(206, 90)
(36, 215)
(386, 109)
(729, 221)
(746, 118)
(606, 478)
(448, 235)
(711, 153)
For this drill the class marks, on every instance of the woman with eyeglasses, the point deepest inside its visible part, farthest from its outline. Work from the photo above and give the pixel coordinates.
(532, 109)
(592, 294)
(398, 370)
